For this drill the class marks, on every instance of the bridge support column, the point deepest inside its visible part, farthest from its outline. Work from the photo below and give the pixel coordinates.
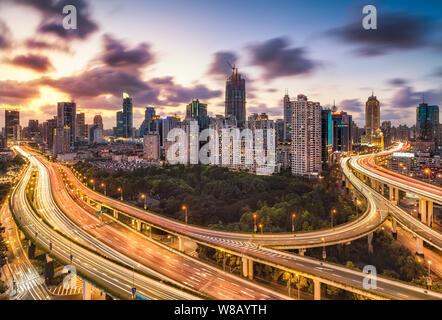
(87, 290)
(180, 244)
(370, 245)
(317, 289)
(419, 247)
(394, 227)
(423, 210)
(430, 213)
(394, 195)
(49, 270)
(138, 225)
(302, 251)
(31, 250)
(247, 268)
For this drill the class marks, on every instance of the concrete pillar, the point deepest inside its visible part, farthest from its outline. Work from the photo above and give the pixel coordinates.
(116, 214)
(419, 247)
(250, 272)
(370, 245)
(138, 225)
(245, 267)
(423, 210)
(180, 244)
(87, 290)
(394, 227)
(394, 195)
(430, 213)
(31, 250)
(317, 289)
(302, 251)
(382, 188)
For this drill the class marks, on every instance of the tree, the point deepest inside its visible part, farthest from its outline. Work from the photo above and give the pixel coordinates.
(3, 248)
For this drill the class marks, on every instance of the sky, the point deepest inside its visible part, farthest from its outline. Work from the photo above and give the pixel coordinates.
(164, 53)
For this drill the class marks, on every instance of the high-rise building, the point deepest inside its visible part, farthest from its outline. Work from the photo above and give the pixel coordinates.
(326, 137)
(48, 132)
(279, 127)
(288, 112)
(151, 148)
(341, 131)
(124, 118)
(151, 123)
(98, 121)
(128, 115)
(66, 117)
(81, 127)
(427, 123)
(387, 132)
(306, 137)
(95, 134)
(197, 111)
(12, 120)
(235, 103)
(372, 115)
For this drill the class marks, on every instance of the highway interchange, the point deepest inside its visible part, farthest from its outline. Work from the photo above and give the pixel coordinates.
(61, 214)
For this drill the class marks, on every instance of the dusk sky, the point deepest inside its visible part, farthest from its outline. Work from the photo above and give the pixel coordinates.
(164, 53)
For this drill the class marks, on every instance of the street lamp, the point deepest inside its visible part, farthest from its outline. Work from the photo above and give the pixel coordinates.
(121, 193)
(332, 213)
(260, 227)
(143, 196)
(184, 208)
(428, 172)
(104, 188)
(429, 274)
(358, 203)
(293, 222)
(324, 254)
(93, 184)
(254, 223)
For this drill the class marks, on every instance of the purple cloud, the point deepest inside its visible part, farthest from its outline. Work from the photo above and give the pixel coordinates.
(278, 59)
(33, 62)
(220, 67)
(116, 54)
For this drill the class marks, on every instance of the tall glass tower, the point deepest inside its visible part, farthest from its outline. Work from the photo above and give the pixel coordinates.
(127, 116)
(427, 123)
(235, 104)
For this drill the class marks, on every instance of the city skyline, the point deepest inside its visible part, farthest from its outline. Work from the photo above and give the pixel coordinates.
(35, 73)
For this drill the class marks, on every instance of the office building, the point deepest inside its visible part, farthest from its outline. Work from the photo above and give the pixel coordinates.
(12, 120)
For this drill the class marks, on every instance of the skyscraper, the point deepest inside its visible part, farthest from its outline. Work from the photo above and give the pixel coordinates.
(81, 126)
(12, 121)
(427, 123)
(326, 136)
(287, 118)
(124, 118)
(98, 121)
(235, 103)
(341, 131)
(196, 110)
(66, 119)
(372, 115)
(127, 115)
(306, 137)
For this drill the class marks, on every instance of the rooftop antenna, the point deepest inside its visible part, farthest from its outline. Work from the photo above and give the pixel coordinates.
(231, 67)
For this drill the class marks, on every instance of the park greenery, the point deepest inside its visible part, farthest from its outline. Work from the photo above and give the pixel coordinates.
(219, 198)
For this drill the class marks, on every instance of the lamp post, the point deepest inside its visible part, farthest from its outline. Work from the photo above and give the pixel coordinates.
(254, 223)
(358, 203)
(143, 196)
(324, 254)
(428, 172)
(121, 193)
(104, 188)
(293, 222)
(184, 208)
(93, 184)
(429, 282)
(260, 227)
(332, 213)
